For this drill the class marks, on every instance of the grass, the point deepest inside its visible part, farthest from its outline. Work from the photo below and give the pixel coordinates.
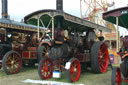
(87, 77)
(2, 73)
(124, 83)
(22, 71)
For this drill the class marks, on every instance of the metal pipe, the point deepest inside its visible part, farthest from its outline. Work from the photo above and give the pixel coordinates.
(81, 9)
(52, 28)
(59, 5)
(38, 32)
(117, 34)
(4, 9)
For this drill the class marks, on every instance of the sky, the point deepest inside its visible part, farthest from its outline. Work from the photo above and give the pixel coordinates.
(17, 9)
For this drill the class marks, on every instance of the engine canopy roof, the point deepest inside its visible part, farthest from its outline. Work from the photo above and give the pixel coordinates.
(75, 23)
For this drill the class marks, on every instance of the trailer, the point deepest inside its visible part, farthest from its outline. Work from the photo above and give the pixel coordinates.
(69, 43)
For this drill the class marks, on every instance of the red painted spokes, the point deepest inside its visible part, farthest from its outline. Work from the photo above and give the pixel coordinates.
(75, 70)
(118, 77)
(46, 68)
(103, 58)
(13, 63)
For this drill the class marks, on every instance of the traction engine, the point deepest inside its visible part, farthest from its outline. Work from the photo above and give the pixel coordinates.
(68, 51)
(69, 44)
(117, 72)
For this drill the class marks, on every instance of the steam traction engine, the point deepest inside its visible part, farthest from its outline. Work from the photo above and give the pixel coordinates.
(117, 78)
(69, 42)
(18, 43)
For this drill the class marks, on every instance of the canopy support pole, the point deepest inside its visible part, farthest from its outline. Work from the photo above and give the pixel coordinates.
(38, 33)
(110, 43)
(81, 9)
(52, 28)
(117, 34)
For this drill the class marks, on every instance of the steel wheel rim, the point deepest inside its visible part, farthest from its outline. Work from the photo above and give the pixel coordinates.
(118, 77)
(13, 63)
(46, 68)
(103, 58)
(74, 70)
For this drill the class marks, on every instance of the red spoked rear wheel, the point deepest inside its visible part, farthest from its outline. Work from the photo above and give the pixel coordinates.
(73, 73)
(45, 68)
(99, 57)
(11, 62)
(116, 76)
(103, 58)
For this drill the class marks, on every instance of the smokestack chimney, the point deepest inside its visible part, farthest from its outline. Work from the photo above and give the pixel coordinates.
(59, 5)
(4, 9)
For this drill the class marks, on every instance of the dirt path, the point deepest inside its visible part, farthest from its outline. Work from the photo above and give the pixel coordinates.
(87, 78)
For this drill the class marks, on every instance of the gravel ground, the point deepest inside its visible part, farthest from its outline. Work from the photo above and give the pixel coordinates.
(87, 77)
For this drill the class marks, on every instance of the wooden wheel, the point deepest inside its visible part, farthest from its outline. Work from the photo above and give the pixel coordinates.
(116, 76)
(45, 68)
(73, 73)
(11, 62)
(99, 57)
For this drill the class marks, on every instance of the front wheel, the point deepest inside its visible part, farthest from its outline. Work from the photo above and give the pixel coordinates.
(45, 68)
(11, 62)
(73, 72)
(99, 57)
(42, 52)
(116, 76)
(124, 67)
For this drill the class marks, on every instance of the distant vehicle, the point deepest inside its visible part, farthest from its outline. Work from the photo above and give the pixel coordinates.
(18, 43)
